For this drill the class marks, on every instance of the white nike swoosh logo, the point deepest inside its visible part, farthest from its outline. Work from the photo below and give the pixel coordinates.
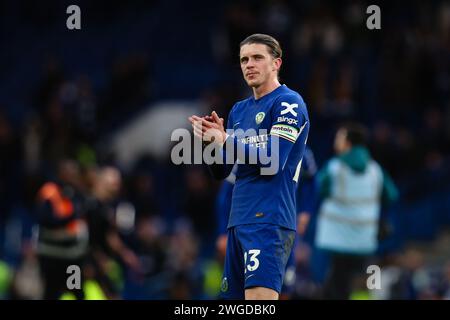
(249, 277)
(236, 124)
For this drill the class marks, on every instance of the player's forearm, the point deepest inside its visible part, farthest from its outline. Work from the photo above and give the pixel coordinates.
(222, 170)
(273, 157)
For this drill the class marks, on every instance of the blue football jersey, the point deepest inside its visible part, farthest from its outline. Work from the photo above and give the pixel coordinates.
(281, 116)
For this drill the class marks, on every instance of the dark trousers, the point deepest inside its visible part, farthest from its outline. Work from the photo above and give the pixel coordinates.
(54, 274)
(343, 268)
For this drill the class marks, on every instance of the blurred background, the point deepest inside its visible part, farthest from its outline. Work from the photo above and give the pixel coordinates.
(94, 108)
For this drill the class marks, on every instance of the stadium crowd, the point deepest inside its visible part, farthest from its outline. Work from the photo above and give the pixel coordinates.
(159, 241)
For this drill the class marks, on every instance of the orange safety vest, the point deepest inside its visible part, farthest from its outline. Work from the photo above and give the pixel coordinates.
(61, 205)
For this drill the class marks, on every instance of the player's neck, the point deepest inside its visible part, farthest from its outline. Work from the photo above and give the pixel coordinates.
(265, 88)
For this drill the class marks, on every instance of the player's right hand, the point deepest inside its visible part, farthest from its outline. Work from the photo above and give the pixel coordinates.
(214, 117)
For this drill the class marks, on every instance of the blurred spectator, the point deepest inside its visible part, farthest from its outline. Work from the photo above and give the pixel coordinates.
(305, 288)
(79, 102)
(63, 235)
(199, 202)
(9, 162)
(152, 245)
(183, 263)
(105, 243)
(143, 195)
(353, 188)
(27, 282)
(128, 88)
(49, 85)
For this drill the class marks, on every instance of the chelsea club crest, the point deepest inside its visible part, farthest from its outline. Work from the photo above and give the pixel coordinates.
(260, 117)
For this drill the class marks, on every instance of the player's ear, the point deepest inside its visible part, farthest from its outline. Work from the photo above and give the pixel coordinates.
(277, 64)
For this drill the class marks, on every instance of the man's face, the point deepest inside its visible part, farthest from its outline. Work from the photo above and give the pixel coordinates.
(69, 172)
(340, 142)
(111, 181)
(257, 64)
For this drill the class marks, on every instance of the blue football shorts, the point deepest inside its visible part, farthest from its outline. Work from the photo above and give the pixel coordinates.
(256, 257)
(290, 274)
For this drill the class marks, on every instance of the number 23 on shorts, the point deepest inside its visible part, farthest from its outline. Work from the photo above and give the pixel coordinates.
(253, 260)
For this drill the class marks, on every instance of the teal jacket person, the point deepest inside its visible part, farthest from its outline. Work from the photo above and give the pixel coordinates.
(353, 188)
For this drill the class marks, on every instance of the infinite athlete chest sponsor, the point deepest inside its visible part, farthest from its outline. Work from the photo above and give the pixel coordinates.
(259, 141)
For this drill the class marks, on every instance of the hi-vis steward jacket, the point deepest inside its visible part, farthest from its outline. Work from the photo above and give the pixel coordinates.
(354, 188)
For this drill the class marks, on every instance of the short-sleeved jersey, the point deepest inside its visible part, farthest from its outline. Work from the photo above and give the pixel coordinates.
(259, 198)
